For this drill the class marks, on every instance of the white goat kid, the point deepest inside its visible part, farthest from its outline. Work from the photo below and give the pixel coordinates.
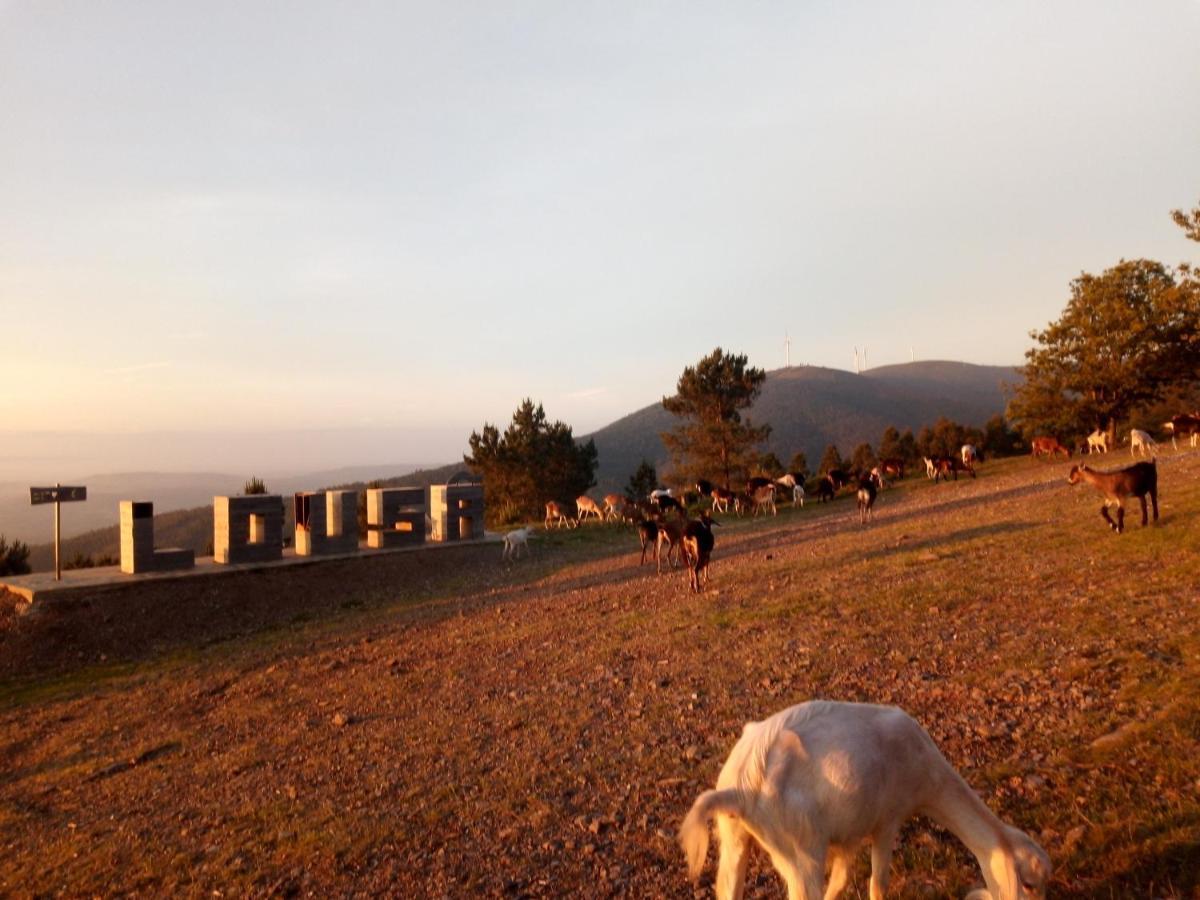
(817, 780)
(515, 542)
(1140, 440)
(1097, 442)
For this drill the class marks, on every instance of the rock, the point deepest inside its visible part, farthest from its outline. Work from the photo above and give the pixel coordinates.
(341, 720)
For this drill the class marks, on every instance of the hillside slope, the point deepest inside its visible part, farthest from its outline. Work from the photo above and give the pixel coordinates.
(809, 407)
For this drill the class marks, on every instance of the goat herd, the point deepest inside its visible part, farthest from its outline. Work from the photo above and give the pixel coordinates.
(813, 783)
(1139, 480)
(664, 527)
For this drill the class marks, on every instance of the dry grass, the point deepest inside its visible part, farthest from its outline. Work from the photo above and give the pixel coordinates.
(540, 729)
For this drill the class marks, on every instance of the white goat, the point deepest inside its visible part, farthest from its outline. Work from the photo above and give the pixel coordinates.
(970, 455)
(819, 779)
(515, 542)
(930, 468)
(791, 481)
(1097, 442)
(1140, 440)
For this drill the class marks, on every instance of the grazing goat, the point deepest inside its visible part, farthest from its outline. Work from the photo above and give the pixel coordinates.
(721, 498)
(1140, 440)
(666, 503)
(1137, 480)
(1183, 426)
(1048, 446)
(556, 513)
(588, 507)
(868, 488)
(970, 454)
(515, 542)
(614, 506)
(814, 782)
(945, 466)
(839, 478)
(697, 548)
(670, 532)
(742, 502)
(648, 535)
(892, 467)
(930, 468)
(704, 487)
(764, 499)
(1097, 442)
(793, 481)
(825, 490)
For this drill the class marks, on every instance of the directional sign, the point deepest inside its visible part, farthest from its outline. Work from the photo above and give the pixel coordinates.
(58, 494)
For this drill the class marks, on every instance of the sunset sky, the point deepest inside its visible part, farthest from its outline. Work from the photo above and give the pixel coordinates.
(401, 219)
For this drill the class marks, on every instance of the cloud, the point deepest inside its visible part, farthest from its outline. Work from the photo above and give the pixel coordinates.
(587, 393)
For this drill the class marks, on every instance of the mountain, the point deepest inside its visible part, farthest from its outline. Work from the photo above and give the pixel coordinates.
(810, 407)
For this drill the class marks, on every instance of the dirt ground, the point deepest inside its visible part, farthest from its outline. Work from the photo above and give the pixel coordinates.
(446, 725)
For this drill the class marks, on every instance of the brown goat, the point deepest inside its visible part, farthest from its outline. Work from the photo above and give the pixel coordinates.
(1137, 480)
(697, 547)
(1187, 426)
(1048, 446)
(721, 498)
(868, 489)
(648, 535)
(670, 532)
(557, 513)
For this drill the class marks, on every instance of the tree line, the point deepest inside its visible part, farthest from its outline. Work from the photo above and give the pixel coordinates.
(1126, 346)
(1127, 343)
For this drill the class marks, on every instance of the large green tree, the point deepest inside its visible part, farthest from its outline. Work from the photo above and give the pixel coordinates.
(532, 462)
(1126, 336)
(714, 441)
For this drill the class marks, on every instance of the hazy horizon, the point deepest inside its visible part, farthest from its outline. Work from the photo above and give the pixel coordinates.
(59, 455)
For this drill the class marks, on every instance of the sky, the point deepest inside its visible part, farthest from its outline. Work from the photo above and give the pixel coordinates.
(381, 224)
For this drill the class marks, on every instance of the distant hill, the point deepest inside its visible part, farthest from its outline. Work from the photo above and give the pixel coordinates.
(193, 528)
(809, 407)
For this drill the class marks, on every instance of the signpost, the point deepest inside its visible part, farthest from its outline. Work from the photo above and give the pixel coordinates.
(56, 495)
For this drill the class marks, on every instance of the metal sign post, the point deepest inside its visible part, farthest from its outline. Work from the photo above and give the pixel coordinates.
(56, 495)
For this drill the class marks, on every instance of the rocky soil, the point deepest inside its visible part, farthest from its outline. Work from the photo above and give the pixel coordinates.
(445, 725)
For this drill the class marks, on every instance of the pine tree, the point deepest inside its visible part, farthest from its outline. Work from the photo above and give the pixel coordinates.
(714, 442)
(642, 482)
(831, 459)
(534, 461)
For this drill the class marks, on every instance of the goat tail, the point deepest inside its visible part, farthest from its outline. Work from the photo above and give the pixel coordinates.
(693, 833)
